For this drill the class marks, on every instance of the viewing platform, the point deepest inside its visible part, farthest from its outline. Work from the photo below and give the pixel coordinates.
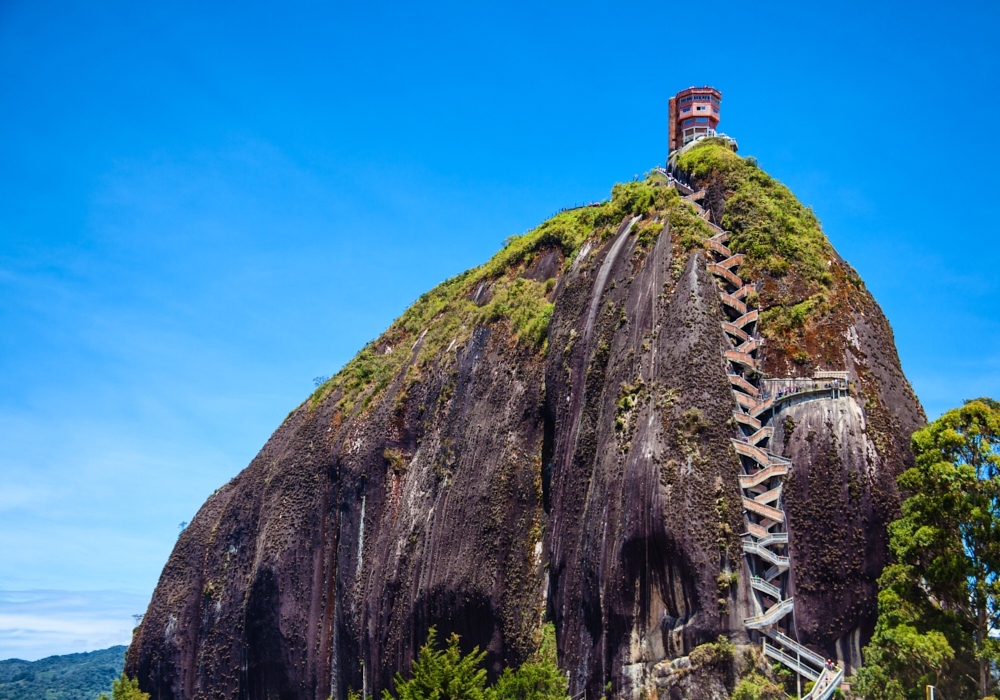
(783, 391)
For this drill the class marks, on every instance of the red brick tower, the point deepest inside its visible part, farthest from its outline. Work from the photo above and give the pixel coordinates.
(693, 112)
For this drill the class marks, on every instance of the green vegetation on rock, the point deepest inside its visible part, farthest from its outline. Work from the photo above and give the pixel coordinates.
(713, 653)
(940, 600)
(447, 674)
(781, 319)
(779, 236)
(766, 222)
(500, 293)
(67, 677)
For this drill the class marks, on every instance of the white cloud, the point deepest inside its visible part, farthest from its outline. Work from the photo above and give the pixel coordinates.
(40, 623)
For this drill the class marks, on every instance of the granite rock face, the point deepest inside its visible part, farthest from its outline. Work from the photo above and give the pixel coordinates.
(591, 482)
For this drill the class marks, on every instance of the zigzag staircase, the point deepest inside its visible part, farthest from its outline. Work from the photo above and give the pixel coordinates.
(765, 541)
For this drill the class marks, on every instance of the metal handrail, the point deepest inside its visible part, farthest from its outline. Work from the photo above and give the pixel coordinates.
(799, 649)
(765, 587)
(778, 655)
(772, 615)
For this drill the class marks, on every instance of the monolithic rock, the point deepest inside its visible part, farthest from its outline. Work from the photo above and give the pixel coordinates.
(548, 437)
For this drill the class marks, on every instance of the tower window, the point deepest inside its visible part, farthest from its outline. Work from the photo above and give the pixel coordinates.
(701, 119)
(688, 121)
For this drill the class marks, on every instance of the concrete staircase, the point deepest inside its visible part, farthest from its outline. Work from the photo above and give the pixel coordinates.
(758, 400)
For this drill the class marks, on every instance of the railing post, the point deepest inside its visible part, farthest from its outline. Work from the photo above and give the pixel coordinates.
(798, 674)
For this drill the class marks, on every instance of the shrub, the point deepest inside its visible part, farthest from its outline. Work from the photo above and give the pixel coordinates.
(712, 653)
(124, 688)
(524, 304)
(757, 687)
(779, 321)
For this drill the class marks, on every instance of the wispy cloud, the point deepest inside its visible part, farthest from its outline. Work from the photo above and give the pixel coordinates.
(40, 623)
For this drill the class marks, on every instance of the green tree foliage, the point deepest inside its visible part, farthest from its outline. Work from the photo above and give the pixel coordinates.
(443, 674)
(67, 677)
(756, 687)
(939, 601)
(447, 674)
(538, 678)
(124, 688)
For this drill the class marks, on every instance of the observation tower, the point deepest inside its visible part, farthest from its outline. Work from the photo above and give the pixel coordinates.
(693, 114)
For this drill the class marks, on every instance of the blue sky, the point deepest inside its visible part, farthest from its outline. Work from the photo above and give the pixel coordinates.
(201, 209)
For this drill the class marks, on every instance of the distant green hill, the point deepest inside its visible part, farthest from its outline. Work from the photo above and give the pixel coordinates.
(69, 677)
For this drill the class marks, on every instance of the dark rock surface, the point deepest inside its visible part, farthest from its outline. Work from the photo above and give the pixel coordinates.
(593, 483)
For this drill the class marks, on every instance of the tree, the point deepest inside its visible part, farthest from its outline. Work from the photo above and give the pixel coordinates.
(447, 675)
(442, 675)
(538, 678)
(124, 688)
(941, 598)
